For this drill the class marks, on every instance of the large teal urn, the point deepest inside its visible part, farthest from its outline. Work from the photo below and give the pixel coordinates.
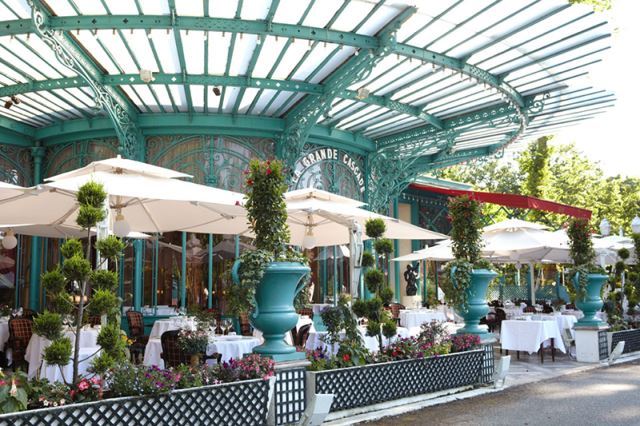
(591, 303)
(274, 313)
(477, 303)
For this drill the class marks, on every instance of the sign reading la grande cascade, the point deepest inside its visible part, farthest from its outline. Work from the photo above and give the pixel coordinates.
(329, 154)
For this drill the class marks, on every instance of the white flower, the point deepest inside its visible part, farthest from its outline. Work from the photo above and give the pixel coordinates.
(62, 401)
(14, 388)
(45, 403)
(55, 404)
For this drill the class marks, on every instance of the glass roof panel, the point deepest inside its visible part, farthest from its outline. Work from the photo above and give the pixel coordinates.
(11, 8)
(61, 7)
(190, 8)
(179, 97)
(247, 99)
(242, 52)
(133, 95)
(139, 43)
(320, 53)
(290, 11)
(378, 20)
(341, 56)
(23, 68)
(218, 52)
(264, 99)
(193, 49)
(270, 50)
(145, 94)
(123, 7)
(255, 9)
(90, 43)
(154, 7)
(18, 48)
(223, 8)
(91, 7)
(197, 97)
(229, 101)
(45, 52)
(162, 94)
(355, 12)
(167, 51)
(321, 12)
(292, 56)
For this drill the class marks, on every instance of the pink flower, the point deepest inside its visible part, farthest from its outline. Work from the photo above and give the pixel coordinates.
(83, 385)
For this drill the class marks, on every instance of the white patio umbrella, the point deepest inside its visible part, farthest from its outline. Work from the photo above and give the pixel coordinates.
(60, 231)
(147, 199)
(8, 190)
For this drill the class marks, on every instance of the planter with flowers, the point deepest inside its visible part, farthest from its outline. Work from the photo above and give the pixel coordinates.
(269, 278)
(237, 392)
(408, 367)
(194, 343)
(467, 278)
(588, 278)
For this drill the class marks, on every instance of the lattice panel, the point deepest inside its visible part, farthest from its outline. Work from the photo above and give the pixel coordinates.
(631, 340)
(360, 386)
(243, 403)
(488, 365)
(603, 345)
(290, 396)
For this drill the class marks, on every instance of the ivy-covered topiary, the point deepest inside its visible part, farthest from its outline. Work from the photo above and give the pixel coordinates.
(582, 254)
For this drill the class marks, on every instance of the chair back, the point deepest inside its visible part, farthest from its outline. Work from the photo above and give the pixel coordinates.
(546, 309)
(28, 314)
(395, 310)
(136, 324)
(303, 335)
(306, 311)
(245, 325)
(95, 320)
(501, 315)
(571, 306)
(529, 309)
(20, 332)
(172, 355)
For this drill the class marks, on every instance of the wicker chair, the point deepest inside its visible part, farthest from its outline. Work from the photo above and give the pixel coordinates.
(306, 311)
(173, 356)
(20, 332)
(29, 314)
(136, 333)
(245, 325)
(302, 335)
(395, 311)
(95, 320)
(529, 309)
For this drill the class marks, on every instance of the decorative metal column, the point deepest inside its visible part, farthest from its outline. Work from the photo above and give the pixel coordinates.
(37, 153)
(137, 274)
(183, 273)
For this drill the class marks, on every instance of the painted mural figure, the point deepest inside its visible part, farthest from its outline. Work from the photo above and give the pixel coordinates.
(411, 276)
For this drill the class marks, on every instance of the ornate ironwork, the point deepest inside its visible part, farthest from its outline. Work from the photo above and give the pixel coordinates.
(290, 395)
(212, 160)
(119, 110)
(62, 158)
(372, 384)
(15, 165)
(243, 403)
(304, 116)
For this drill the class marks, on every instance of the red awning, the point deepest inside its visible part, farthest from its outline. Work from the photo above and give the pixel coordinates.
(509, 200)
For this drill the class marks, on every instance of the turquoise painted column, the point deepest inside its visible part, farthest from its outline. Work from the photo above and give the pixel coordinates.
(183, 273)
(325, 283)
(425, 290)
(210, 276)
(237, 246)
(335, 275)
(154, 274)
(396, 252)
(137, 275)
(120, 276)
(18, 284)
(37, 153)
(415, 220)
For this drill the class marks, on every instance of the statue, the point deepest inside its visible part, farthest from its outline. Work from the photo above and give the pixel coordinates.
(411, 276)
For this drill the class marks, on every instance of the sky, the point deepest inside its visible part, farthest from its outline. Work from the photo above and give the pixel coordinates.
(613, 138)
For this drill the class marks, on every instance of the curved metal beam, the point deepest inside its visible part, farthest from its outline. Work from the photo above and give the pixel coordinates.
(263, 28)
(226, 81)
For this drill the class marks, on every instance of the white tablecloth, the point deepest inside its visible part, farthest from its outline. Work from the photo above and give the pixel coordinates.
(4, 333)
(564, 321)
(229, 346)
(316, 341)
(162, 325)
(527, 336)
(579, 314)
(37, 345)
(416, 317)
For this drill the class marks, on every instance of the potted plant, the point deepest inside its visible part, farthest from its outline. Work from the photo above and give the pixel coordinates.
(467, 278)
(268, 279)
(588, 278)
(194, 343)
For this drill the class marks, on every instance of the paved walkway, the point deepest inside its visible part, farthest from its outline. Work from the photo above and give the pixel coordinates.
(602, 396)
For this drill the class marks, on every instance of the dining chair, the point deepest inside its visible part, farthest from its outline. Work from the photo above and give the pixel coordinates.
(173, 356)
(245, 325)
(306, 311)
(135, 321)
(20, 332)
(395, 311)
(303, 335)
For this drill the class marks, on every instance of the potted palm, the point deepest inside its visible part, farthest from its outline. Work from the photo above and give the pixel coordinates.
(268, 279)
(467, 277)
(588, 278)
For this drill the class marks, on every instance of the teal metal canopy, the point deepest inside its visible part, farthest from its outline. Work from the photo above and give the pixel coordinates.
(412, 87)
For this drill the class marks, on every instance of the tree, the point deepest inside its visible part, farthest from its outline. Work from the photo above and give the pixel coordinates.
(78, 291)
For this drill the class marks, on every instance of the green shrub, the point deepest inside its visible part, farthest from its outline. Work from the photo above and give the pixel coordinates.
(110, 247)
(368, 260)
(383, 246)
(386, 294)
(53, 281)
(389, 329)
(59, 352)
(359, 308)
(103, 279)
(76, 268)
(72, 247)
(375, 228)
(374, 278)
(48, 325)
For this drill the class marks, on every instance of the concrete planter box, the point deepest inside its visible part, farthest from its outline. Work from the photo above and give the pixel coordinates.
(376, 383)
(245, 403)
(630, 337)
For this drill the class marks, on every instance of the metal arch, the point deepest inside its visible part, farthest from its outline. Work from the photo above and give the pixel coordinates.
(304, 116)
(119, 109)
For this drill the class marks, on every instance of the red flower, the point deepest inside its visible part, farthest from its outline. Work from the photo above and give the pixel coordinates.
(249, 182)
(83, 385)
(346, 357)
(268, 172)
(237, 203)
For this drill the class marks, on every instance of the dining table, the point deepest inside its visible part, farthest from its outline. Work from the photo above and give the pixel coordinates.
(228, 346)
(4, 332)
(317, 339)
(34, 354)
(529, 335)
(410, 318)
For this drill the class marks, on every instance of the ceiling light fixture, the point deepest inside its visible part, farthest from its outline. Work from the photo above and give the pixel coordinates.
(9, 241)
(8, 104)
(363, 93)
(216, 91)
(15, 99)
(146, 76)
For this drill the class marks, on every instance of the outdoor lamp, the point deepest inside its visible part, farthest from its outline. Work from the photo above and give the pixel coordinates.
(146, 76)
(9, 241)
(635, 225)
(309, 240)
(121, 227)
(605, 227)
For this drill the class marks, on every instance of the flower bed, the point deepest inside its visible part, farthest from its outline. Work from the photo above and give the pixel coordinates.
(238, 389)
(630, 337)
(370, 384)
